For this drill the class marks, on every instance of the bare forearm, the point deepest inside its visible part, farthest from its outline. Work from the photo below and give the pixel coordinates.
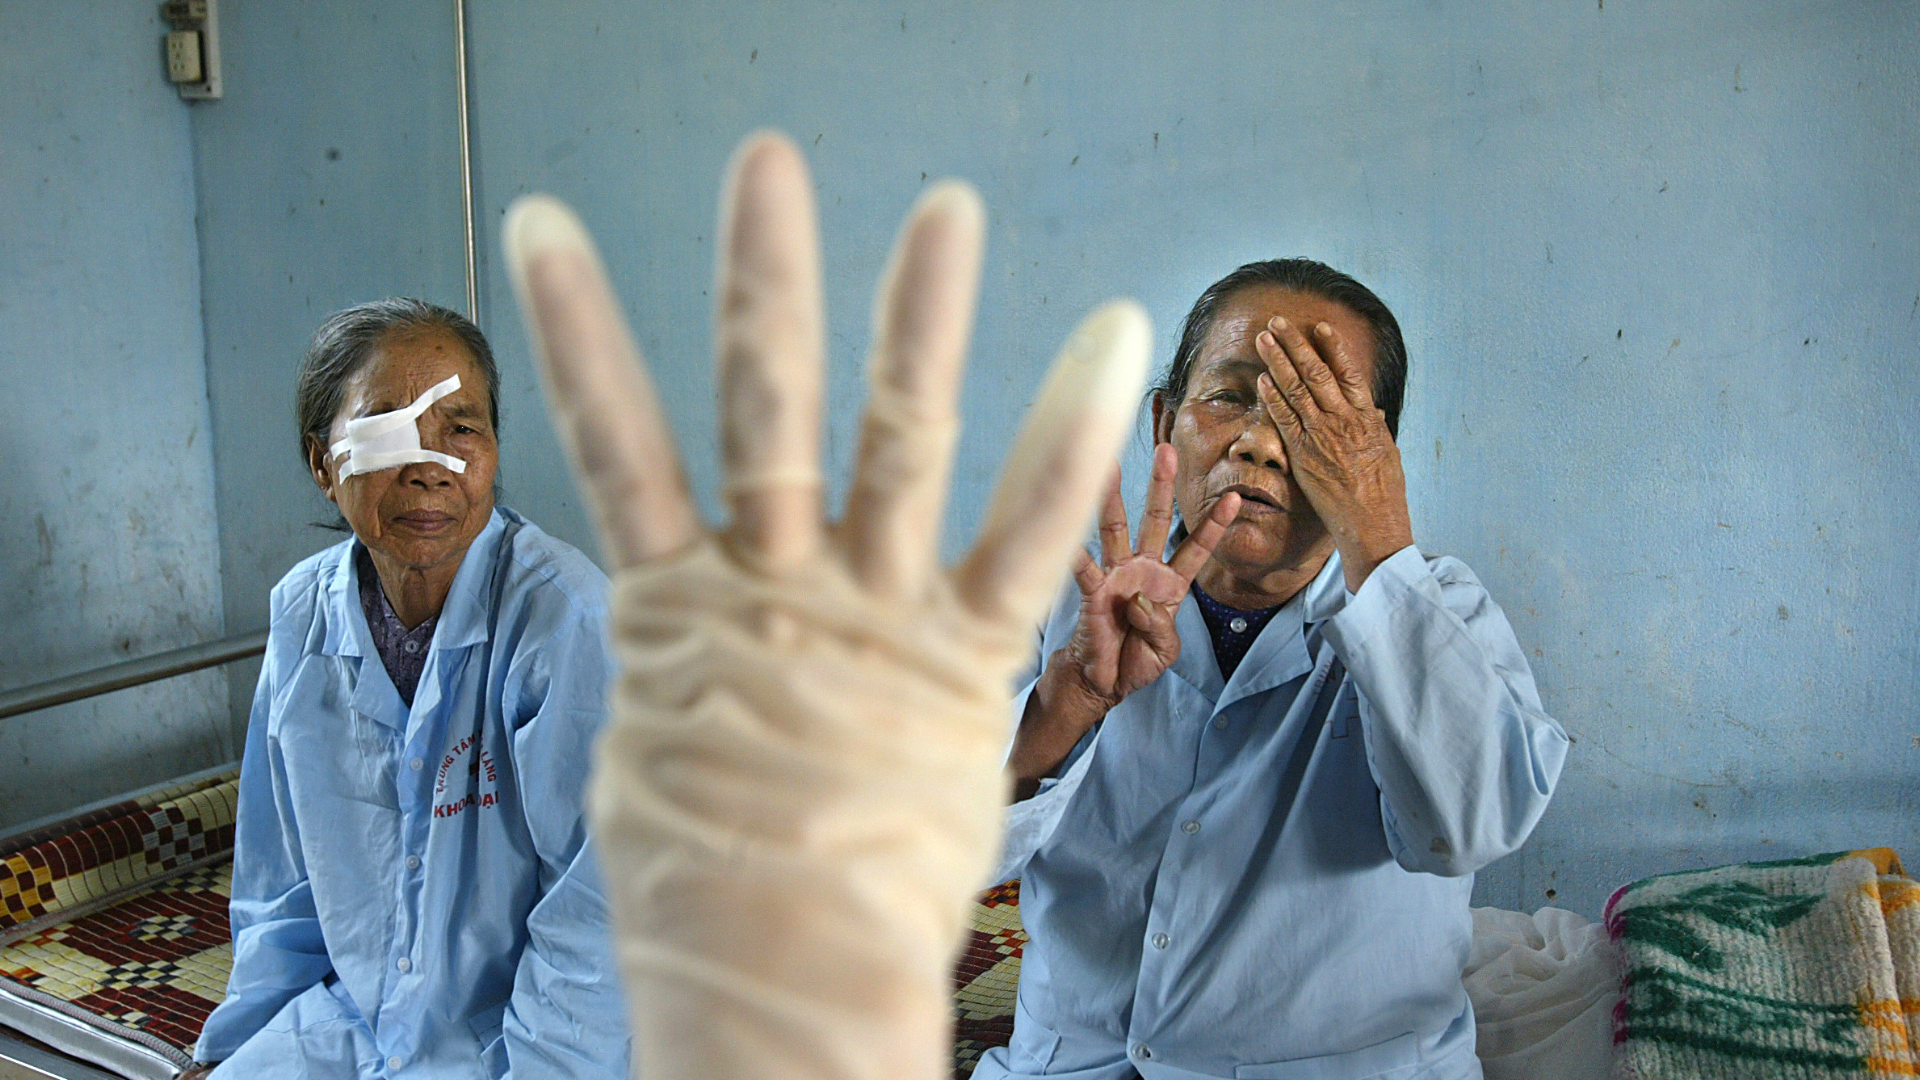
(1059, 712)
(1364, 547)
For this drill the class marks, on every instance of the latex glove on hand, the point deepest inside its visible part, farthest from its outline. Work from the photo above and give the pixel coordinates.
(800, 786)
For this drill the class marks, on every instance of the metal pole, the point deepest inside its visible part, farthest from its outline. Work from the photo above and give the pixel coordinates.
(131, 673)
(466, 158)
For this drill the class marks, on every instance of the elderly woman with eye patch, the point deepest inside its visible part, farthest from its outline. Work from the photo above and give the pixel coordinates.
(413, 893)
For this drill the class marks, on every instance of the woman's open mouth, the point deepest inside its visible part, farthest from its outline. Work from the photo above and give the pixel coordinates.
(1251, 496)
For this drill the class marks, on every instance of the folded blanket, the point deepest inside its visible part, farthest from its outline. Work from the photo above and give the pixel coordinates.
(1804, 968)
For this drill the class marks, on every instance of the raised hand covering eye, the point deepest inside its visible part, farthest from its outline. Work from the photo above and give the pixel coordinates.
(800, 787)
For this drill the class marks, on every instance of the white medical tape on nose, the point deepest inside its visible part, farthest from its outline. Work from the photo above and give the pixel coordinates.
(389, 440)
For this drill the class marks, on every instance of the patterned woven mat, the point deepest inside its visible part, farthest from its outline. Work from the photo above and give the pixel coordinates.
(122, 921)
(118, 918)
(987, 977)
(100, 858)
(147, 970)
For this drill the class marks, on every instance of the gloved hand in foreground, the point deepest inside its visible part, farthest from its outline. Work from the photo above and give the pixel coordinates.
(800, 786)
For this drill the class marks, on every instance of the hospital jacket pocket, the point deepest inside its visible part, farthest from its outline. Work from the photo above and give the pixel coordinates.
(1395, 1059)
(1033, 1042)
(493, 1045)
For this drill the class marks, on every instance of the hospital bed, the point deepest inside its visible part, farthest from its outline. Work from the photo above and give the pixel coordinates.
(114, 942)
(115, 946)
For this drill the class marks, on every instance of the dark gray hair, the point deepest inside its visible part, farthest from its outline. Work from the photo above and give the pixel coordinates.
(343, 344)
(1314, 279)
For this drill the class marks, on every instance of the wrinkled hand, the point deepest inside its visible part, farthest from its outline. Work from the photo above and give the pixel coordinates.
(800, 785)
(1125, 637)
(1338, 446)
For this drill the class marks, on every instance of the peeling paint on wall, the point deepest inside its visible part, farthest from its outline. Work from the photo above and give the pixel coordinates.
(1523, 183)
(109, 548)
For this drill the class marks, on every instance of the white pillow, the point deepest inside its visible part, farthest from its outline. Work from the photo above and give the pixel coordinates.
(1543, 987)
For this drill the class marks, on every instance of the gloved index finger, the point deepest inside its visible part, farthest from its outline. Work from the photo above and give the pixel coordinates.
(603, 403)
(1053, 475)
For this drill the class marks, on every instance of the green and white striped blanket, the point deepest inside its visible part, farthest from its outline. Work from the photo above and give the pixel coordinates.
(1803, 969)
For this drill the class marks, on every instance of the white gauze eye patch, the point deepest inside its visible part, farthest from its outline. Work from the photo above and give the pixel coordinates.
(389, 440)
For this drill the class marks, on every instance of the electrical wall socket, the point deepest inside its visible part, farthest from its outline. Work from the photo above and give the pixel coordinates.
(183, 57)
(193, 48)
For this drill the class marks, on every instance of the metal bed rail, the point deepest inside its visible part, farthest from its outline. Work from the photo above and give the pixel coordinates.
(105, 680)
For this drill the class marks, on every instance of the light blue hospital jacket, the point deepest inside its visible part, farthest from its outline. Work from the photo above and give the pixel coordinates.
(1268, 878)
(413, 893)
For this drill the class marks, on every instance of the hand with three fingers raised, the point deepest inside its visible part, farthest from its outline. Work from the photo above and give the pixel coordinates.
(1125, 637)
(1339, 448)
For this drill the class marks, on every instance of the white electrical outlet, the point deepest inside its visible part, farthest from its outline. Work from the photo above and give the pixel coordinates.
(183, 56)
(193, 48)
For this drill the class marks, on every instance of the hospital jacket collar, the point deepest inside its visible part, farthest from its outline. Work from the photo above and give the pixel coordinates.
(1278, 655)
(463, 623)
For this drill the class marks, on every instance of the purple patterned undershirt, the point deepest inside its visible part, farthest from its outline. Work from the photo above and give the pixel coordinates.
(403, 652)
(1232, 630)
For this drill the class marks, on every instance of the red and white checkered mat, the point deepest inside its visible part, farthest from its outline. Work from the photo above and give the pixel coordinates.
(147, 970)
(114, 942)
(987, 977)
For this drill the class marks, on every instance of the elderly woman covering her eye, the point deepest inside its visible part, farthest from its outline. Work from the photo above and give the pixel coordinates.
(413, 894)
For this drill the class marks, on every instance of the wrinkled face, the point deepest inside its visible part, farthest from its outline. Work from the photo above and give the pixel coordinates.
(1227, 442)
(420, 515)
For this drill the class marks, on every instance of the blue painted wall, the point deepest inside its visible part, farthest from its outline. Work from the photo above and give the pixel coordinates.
(1654, 261)
(108, 543)
(328, 175)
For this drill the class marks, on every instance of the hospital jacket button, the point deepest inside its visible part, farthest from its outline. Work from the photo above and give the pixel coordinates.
(1142, 1052)
(416, 764)
(1190, 828)
(404, 964)
(394, 1062)
(1160, 941)
(413, 862)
